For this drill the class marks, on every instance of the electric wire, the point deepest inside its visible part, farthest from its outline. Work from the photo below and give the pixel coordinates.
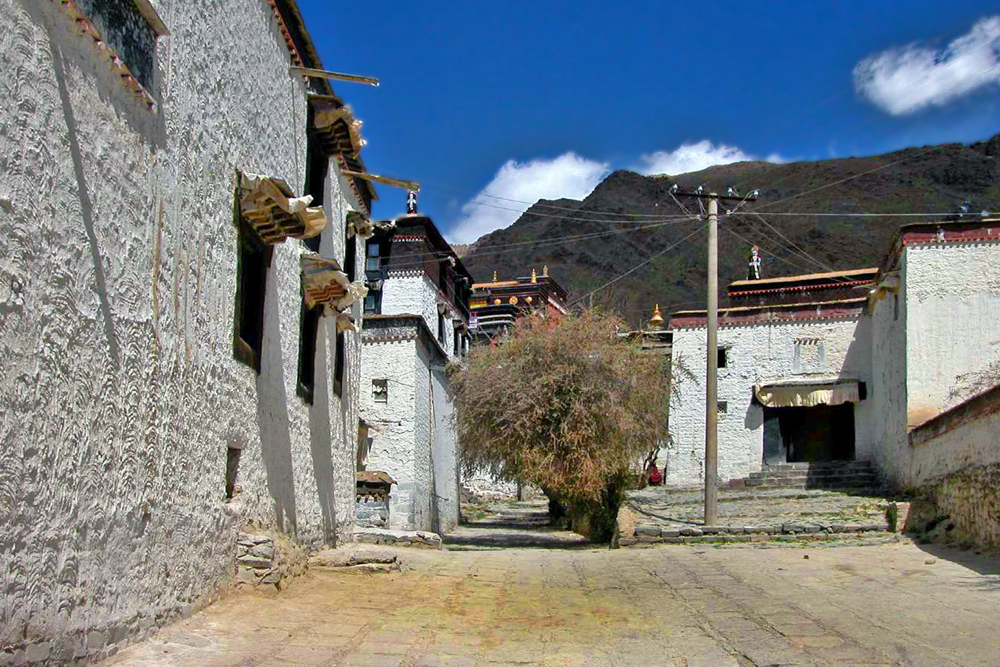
(638, 266)
(515, 246)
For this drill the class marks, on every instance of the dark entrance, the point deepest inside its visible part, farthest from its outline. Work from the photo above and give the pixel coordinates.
(818, 433)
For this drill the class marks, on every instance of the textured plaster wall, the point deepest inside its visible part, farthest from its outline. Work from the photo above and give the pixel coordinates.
(445, 498)
(419, 453)
(974, 443)
(392, 424)
(953, 320)
(758, 353)
(412, 292)
(117, 279)
(423, 430)
(888, 389)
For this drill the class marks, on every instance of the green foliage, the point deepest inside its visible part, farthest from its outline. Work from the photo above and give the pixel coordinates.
(569, 406)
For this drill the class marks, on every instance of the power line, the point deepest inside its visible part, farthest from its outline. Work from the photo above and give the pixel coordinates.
(859, 215)
(789, 241)
(539, 205)
(637, 266)
(513, 247)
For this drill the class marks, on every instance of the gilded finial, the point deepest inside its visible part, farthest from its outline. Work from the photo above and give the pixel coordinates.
(534, 276)
(495, 275)
(545, 271)
(656, 321)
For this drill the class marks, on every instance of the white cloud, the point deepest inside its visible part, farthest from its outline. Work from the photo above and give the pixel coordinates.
(694, 157)
(905, 80)
(568, 175)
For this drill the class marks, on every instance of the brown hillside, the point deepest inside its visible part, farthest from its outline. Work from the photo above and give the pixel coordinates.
(916, 180)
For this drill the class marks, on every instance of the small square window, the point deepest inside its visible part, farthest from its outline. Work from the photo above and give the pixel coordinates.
(373, 303)
(380, 391)
(722, 357)
(722, 407)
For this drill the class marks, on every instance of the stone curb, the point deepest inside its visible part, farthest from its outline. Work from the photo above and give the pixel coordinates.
(398, 538)
(870, 531)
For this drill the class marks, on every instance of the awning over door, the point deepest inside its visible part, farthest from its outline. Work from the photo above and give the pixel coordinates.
(807, 393)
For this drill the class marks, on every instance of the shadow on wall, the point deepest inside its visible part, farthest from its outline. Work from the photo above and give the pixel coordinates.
(83, 192)
(320, 442)
(272, 412)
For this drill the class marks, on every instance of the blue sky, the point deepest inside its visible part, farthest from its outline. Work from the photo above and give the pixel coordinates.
(542, 99)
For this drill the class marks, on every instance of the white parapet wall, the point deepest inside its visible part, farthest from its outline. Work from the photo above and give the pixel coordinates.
(954, 464)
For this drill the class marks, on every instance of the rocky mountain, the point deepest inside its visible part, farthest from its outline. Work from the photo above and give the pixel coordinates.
(624, 222)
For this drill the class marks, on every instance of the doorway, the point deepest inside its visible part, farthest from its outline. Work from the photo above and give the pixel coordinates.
(806, 435)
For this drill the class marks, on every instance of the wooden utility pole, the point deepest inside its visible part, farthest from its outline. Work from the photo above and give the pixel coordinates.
(712, 345)
(712, 366)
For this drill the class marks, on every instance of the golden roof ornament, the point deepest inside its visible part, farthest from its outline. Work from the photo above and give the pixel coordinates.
(545, 271)
(656, 321)
(534, 275)
(495, 279)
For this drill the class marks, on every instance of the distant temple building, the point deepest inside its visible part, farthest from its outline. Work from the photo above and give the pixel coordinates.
(841, 366)
(495, 305)
(415, 318)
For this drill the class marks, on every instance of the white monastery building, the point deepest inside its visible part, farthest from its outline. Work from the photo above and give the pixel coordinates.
(840, 366)
(415, 323)
(178, 293)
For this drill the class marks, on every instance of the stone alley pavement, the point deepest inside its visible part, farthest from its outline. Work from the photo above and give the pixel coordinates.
(889, 604)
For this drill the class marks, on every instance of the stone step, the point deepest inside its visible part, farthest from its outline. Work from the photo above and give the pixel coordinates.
(819, 465)
(853, 489)
(812, 474)
(851, 479)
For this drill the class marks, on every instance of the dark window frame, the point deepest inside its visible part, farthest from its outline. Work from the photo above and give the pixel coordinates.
(253, 264)
(442, 333)
(722, 358)
(232, 470)
(339, 366)
(309, 320)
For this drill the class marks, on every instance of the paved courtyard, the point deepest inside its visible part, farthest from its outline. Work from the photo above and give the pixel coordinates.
(889, 604)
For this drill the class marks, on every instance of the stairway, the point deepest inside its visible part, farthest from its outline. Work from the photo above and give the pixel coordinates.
(820, 475)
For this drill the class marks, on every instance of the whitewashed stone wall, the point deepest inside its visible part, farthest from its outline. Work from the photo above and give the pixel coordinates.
(413, 293)
(413, 437)
(758, 353)
(888, 389)
(120, 394)
(954, 467)
(392, 425)
(444, 457)
(970, 443)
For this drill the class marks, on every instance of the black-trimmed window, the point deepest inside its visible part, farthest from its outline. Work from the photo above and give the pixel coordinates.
(723, 357)
(373, 302)
(131, 28)
(232, 469)
(380, 391)
(338, 366)
(252, 263)
(373, 261)
(373, 274)
(441, 328)
(308, 334)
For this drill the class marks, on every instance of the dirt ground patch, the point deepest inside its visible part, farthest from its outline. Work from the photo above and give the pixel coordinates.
(894, 604)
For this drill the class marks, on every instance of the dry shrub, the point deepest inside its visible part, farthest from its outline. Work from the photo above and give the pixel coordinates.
(567, 405)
